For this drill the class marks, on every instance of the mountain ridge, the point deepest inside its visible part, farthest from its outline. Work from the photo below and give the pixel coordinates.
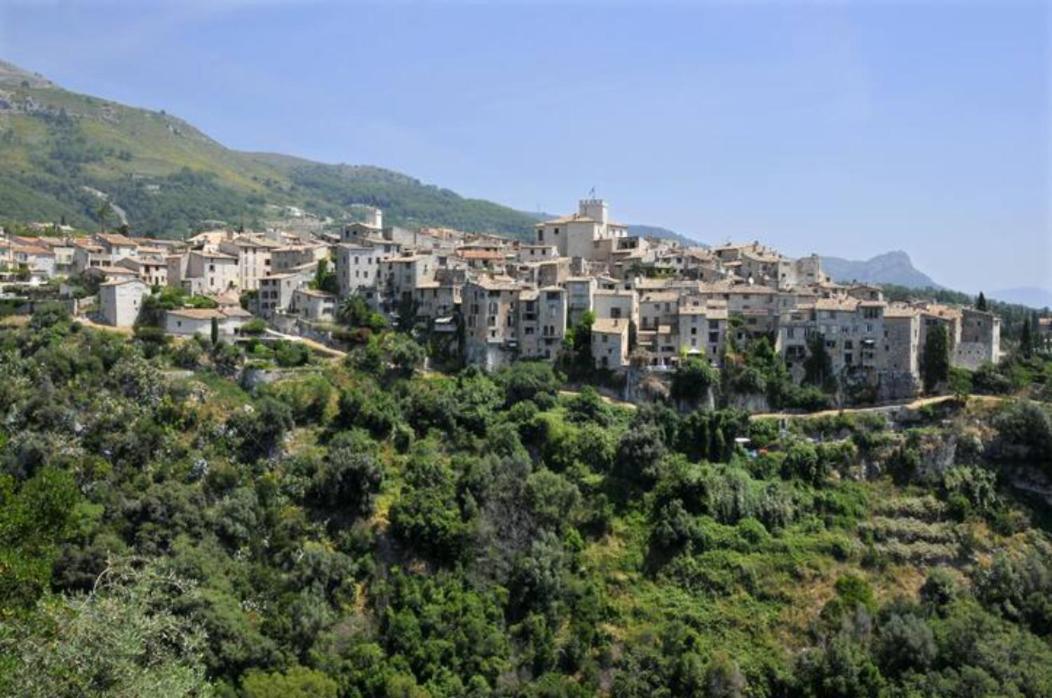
(58, 147)
(893, 267)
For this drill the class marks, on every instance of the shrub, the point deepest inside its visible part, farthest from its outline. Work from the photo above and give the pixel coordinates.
(254, 327)
(939, 589)
(803, 463)
(1025, 430)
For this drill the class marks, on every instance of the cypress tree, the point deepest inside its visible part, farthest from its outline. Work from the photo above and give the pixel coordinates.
(818, 366)
(1026, 341)
(935, 359)
(980, 304)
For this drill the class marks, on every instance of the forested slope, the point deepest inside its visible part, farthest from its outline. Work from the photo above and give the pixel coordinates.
(360, 529)
(61, 151)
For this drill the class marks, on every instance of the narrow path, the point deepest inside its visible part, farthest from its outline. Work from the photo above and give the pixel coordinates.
(605, 398)
(88, 322)
(317, 346)
(911, 405)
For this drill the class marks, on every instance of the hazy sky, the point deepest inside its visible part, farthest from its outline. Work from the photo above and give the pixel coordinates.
(843, 128)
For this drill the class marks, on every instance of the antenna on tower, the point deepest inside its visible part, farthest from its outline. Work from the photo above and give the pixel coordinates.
(591, 193)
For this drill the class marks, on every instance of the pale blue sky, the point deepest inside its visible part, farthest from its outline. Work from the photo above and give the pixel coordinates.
(843, 128)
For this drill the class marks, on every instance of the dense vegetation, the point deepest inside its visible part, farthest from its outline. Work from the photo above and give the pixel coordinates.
(360, 528)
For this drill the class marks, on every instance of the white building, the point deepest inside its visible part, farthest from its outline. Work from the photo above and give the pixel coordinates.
(582, 234)
(358, 269)
(276, 291)
(211, 271)
(120, 301)
(190, 321)
(253, 259)
(314, 305)
(36, 259)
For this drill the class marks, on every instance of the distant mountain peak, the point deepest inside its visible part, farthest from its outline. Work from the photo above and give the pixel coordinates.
(893, 267)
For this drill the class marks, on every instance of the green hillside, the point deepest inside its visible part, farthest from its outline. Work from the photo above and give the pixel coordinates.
(59, 150)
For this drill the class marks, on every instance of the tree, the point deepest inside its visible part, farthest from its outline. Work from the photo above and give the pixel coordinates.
(348, 480)
(120, 639)
(404, 354)
(260, 429)
(818, 366)
(906, 642)
(638, 453)
(297, 682)
(33, 521)
(960, 384)
(723, 678)
(579, 341)
(803, 462)
(407, 312)
(104, 211)
(354, 311)
(980, 303)
(529, 380)
(1026, 340)
(935, 359)
(426, 515)
(939, 589)
(692, 379)
(325, 279)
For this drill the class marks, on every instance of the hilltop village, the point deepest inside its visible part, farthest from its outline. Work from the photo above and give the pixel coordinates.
(647, 303)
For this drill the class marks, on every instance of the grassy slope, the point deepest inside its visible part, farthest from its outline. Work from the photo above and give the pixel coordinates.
(46, 160)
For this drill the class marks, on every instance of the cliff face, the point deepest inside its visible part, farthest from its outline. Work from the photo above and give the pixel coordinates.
(889, 268)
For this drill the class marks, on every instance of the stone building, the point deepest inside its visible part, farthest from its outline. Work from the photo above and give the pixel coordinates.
(980, 340)
(542, 321)
(489, 306)
(120, 301)
(581, 234)
(610, 343)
